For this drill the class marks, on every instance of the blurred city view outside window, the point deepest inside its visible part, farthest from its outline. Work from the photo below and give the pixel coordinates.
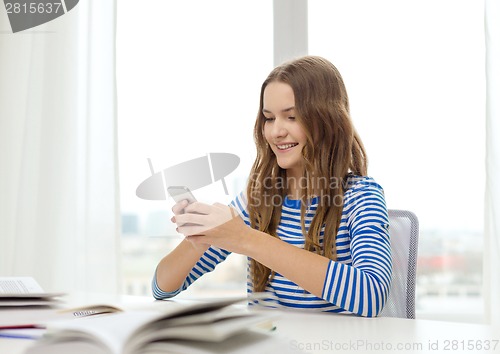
(414, 71)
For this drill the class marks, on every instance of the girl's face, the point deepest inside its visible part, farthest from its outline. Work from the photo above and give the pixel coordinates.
(283, 133)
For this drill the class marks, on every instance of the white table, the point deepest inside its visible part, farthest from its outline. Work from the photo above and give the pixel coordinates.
(299, 332)
(327, 333)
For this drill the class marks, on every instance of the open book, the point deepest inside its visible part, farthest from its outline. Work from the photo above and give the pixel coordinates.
(138, 331)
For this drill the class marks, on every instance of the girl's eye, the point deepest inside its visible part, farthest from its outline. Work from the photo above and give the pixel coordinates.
(268, 119)
(291, 118)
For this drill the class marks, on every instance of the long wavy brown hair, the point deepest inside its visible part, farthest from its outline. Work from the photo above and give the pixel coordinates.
(333, 149)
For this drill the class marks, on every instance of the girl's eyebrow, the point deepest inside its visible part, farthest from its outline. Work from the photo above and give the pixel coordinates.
(283, 110)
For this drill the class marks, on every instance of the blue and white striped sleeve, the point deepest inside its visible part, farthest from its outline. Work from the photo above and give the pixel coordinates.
(207, 262)
(362, 288)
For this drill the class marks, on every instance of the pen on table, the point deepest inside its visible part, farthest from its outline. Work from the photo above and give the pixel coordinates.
(17, 336)
(23, 331)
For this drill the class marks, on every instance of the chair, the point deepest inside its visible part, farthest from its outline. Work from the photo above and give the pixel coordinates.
(404, 233)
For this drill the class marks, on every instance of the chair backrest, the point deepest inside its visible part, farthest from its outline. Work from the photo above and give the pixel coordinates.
(404, 232)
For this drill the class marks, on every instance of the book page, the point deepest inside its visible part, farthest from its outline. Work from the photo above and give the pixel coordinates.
(215, 330)
(110, 331)
(249, 342)
(23, 291)
(19, 285)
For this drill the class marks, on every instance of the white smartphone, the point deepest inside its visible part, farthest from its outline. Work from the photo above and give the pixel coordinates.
(179, 193)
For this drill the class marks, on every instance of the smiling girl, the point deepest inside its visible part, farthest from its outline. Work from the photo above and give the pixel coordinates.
(313, 225)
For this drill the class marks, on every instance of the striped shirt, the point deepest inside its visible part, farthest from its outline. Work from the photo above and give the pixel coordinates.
(357, 282)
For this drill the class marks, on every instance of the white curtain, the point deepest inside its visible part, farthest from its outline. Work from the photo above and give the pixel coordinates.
(59, 208)
(492, 208)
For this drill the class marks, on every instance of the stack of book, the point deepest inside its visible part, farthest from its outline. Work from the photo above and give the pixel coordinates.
(25, 291)
(24, 307)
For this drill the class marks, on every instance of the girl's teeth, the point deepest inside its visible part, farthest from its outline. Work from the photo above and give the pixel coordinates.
(287, 146)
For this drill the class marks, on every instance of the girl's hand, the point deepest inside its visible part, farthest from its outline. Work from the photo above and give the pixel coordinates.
(216, 224)
(179, 209)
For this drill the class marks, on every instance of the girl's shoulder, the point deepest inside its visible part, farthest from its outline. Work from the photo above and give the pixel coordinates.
(355, 181)
(355, 185)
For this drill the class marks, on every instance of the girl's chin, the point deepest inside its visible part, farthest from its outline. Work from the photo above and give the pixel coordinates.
(286, 165)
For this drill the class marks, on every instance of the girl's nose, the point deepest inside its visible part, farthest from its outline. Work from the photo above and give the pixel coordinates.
(279, 129)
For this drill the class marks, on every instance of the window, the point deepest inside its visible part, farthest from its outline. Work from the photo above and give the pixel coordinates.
(414, 71)
(189, 76)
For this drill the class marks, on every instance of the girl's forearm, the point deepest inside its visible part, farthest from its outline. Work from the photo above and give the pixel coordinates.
(175, 267)
(304, 268)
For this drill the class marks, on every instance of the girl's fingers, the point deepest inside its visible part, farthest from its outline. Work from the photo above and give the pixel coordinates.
(179, 207)
(189, 218)
(191, 230)
(199, 208)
